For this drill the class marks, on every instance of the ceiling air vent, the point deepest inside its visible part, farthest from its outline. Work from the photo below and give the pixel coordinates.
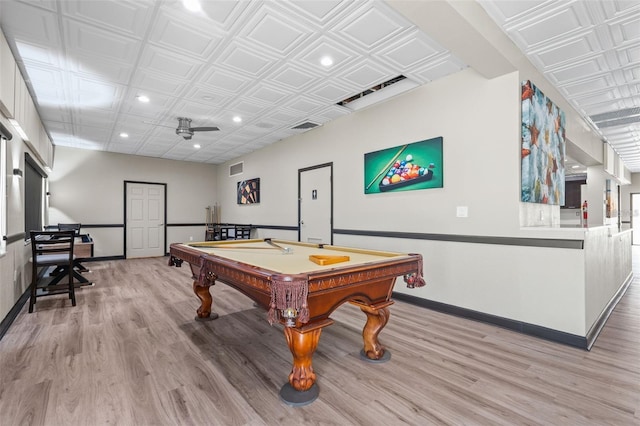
(306, 125)
(236, 169)
(617, 118)
(371, 90)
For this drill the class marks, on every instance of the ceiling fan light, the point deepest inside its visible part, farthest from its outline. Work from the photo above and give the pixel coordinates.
(184, 128)
(186, 131)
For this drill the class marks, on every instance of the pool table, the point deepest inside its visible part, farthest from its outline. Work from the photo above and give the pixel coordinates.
(300, 285)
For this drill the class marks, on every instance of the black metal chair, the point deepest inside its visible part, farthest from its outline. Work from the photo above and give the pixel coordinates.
(243, 232)
(51, 249)
(223, 232)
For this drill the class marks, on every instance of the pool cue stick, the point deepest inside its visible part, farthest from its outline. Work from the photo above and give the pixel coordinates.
(384, 170)
(284, 249)
(236, 248)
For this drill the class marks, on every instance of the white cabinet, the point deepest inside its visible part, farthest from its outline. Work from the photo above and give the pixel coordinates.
(21, 93)
(614, 166)
(45, 146)
(8, 71)
(16, 103)
(31, 122)
(609, 159)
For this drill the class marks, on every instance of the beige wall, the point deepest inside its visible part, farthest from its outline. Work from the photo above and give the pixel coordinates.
(479, 122)
(88, 187)
(14, 267)
(625, 199)
(481, 166)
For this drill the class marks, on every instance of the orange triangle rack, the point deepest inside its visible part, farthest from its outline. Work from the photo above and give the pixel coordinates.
(327, 260)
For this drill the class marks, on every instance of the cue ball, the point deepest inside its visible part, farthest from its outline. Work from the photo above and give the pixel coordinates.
(409, 158)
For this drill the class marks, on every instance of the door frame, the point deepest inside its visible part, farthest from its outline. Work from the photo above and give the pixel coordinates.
(164, 226)
(631, 209)
(306, 169)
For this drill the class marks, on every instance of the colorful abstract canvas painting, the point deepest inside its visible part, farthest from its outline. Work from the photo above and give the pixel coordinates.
(543, 148)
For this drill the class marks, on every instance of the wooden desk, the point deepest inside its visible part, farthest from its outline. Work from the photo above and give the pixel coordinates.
(83, 247)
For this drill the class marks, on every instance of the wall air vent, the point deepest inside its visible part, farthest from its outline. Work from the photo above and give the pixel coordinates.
(306, 125)
(236, 169)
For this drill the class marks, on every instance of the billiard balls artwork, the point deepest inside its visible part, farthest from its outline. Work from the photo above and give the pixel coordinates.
(405, 172)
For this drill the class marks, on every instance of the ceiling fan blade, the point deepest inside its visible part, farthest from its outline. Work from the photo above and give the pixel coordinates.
(155, 123)
(203, 129)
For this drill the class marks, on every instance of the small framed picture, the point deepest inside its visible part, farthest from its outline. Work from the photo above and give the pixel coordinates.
(249, 191)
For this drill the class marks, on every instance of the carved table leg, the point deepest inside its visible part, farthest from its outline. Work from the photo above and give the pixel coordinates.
(302, 347)
(301, 389)
(377, 318)
(204, 311)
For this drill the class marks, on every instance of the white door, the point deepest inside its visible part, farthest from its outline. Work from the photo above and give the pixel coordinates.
(635, 218)
(145, 220)
(316, 205)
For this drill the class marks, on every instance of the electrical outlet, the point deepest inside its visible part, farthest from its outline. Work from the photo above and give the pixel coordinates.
(190, 238)
(462, 211)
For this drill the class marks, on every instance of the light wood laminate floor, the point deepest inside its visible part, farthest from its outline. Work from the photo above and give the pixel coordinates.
(130, 353)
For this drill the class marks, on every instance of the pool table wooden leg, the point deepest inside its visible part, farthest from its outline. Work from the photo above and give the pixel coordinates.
(204, 311)
(302, 347)
(377, 318)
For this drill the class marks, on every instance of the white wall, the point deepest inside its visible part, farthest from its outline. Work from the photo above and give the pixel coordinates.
(625, 198)
(481, 162)
(88, 187)
(481, 171)
(15, 274)
(608, 263)
(479, 122)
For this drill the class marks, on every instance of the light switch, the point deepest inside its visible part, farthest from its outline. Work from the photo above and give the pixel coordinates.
(462, 211)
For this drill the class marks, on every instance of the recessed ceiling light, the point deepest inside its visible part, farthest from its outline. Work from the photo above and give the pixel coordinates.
(124, 135)
(326, 61)
(143, 98)
(191, 5)
(237, 119)
(196, 145)
(575, 167)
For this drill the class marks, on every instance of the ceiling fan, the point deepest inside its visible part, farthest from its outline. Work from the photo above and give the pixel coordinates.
(186, 131)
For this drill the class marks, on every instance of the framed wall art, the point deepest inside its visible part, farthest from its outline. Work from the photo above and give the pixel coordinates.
(417, 165)
(249, 191)
(543, 148)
